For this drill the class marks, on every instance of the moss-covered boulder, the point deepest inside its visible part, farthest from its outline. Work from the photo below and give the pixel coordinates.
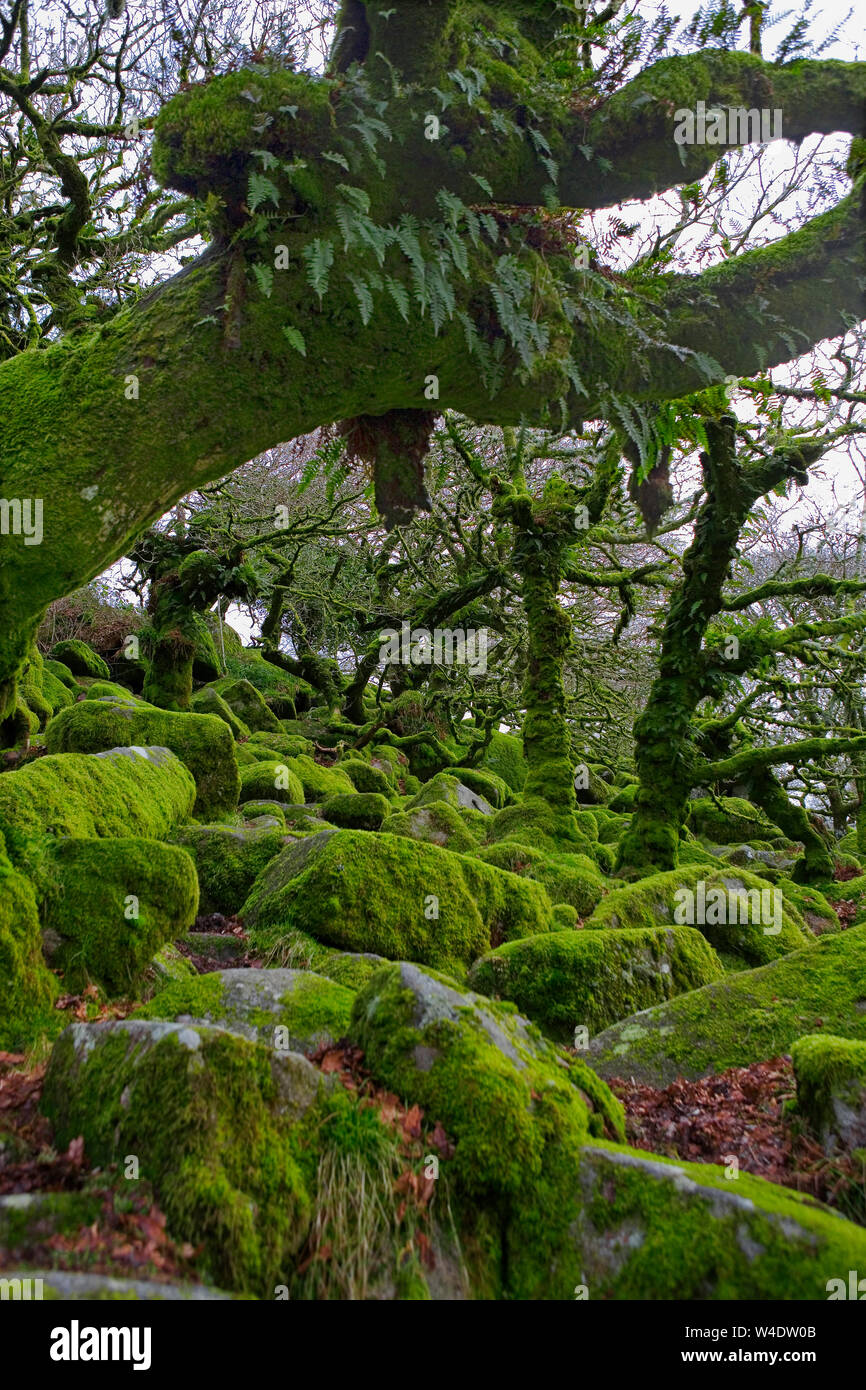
(357, 811)
(739, 913)
(249, 705)
(812, 905)
(568, 878)
(201, 741)
(831, 1089)
(208, 701)
(365, 777)
(61, 672)
(567, 980)
(729, 821)
(112, 692)
(27, 987)
(112, 904)
(534, 822)
(216, 1122)
(517, 1110)
(650, 1228)
(504, 756)
(435, 824)
(121, 792)
(80, 659)
(292, 1010)
(748, 1017)
(317, 781)
(228, 859)
(256, 810)
(282, 744)
(447, 788)
(392, 896)
(270, 781)
(492, 788)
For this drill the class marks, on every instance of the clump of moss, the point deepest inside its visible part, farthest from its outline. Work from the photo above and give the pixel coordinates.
(571, 979)
(831, 1089)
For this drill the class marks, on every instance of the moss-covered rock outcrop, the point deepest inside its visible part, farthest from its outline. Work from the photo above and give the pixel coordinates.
(748, 1017)
(570, 980)
(740, 914)
(831, 1089)
(121, 792)
(80, 658)
(392, 896)
(437, 823)
(517, 1110)
(357, 811)
(216, 1123)
(268, 779)
(290, 1010)
(203, 742)
(228, 859)
(27, 988)
(569, 878)
(111, 905)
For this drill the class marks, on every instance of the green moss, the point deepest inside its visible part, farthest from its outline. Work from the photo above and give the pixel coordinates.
(539, 825)
(757, 929)
(203, 742)
(112, 904)
(357, 811)
(319, 782)
(831, 1084)
(208, 701)
(516, 1114)
(228, 860)
(61, 672)
(28, 988)
(624, 800)
(394, 897)
(729, 821)
(366, 778)
(570, 979)
(248, 705)
(283, 744)
(80, 659)
(654, 1229)
(492, 787)
(203, 1110)
(30, 1219)
(104, 690)
(272, 781)
(111, 795)
(748, 1017)
(812, 906)
(251, 810)
(436, 824)
(568, 878)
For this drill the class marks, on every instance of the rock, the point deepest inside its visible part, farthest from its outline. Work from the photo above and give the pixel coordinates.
(260, 811)
(364, 777)
(435, 824)
(209, 701)
(27, 987)
(749, 1017)
(569, 979)
(649, 1228)
(504, 756)
(357, 811)
(831, 1090)
(121, 792)
(308, 1009)
(739, 913)
(228, 859)
(319, 782)
(168, 964)
(113, 904)
(218, 1124)
(516, 1109)
(569, 878)
(444, 787)
(80, 659)
(201, 741)
(272, 781)
(493, 790)
(248, 704)
(392, 896)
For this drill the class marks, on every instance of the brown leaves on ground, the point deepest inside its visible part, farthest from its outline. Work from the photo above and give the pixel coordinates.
(741, 1114)
(86, 1007)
